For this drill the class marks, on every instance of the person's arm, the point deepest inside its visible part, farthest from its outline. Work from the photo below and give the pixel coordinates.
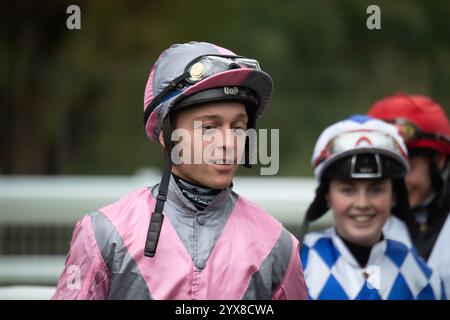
(293, 286)
(85, 275)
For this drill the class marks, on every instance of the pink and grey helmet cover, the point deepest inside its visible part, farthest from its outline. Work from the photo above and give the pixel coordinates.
(171, 65)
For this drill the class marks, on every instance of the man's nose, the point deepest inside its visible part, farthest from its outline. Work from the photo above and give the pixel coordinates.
(227, 138)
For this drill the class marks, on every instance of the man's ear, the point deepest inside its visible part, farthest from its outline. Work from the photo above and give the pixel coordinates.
(161, 139)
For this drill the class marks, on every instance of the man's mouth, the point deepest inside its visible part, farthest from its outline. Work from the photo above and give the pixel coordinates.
(223, 162)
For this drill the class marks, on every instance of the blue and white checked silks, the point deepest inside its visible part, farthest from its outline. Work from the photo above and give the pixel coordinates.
(393, 271)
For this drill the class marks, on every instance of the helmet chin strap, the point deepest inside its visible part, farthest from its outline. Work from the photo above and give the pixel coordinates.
(156, 221)
(247, 151)
(154, 229)
(157, 218)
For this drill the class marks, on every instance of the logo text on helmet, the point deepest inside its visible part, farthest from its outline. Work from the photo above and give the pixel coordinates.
(231, 90)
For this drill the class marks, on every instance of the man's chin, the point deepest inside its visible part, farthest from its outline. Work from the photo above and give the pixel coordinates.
(218, 182)
(219, 185)
(414, 201)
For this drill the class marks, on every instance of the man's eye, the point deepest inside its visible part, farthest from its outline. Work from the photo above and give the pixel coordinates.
(239, 129)
(208, 127)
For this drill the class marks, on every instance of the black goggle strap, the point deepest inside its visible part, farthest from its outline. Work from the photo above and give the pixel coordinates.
(410, 131)
(160, 97)
(418, 134)
(156, 221)
(434, 136)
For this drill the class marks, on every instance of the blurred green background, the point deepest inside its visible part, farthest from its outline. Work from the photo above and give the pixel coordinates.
(71, 101)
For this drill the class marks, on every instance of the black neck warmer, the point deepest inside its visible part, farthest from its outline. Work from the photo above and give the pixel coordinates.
(199, 196)
(361, 253)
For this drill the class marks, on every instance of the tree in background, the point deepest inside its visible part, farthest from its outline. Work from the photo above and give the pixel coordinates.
(71, 100)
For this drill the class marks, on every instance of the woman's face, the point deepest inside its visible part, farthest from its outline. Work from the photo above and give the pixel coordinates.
(360, 208)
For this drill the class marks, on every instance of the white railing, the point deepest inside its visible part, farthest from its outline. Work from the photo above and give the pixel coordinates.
(65, 199)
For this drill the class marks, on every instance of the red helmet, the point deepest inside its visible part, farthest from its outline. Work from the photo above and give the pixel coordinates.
(421, 121)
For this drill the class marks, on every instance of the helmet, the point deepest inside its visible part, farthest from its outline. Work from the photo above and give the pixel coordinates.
(426, 130)
(358, 135)
(200, 72)
(359, 147)
(421, 121)
(190, 74)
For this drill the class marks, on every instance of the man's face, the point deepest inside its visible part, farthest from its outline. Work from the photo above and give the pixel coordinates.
(418, 180)
(217, 134)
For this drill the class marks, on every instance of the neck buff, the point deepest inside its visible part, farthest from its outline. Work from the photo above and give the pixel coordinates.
(199, 196)
(360, 252)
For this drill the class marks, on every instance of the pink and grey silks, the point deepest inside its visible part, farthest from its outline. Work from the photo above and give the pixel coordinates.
(231, 250)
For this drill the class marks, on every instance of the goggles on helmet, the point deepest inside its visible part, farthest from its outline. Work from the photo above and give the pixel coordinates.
(199, 69)
(208, 65)
(411, 132)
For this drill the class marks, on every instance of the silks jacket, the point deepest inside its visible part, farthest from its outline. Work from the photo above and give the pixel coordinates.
(230, 250)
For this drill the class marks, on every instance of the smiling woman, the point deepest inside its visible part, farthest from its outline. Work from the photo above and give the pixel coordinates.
(360, 208)
(360, 164)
